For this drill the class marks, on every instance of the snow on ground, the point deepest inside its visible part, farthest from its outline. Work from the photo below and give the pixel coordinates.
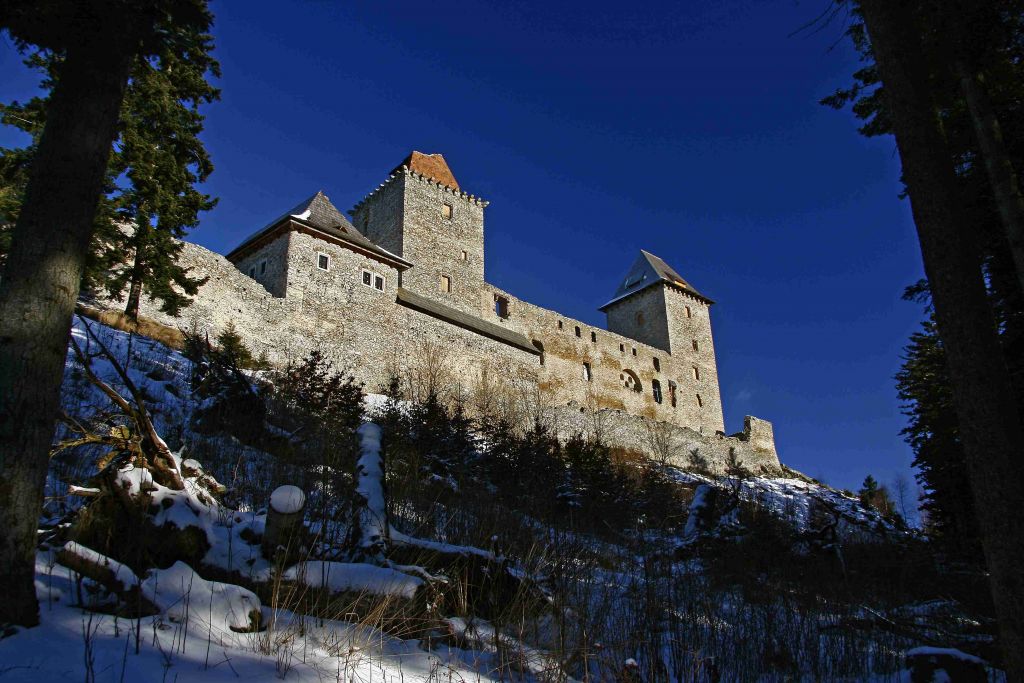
(74, 645)
(354, 577)
(797, 500)
(195, 637)
(219, 608)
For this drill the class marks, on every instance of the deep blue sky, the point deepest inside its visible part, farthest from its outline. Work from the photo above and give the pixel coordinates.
(596, 129)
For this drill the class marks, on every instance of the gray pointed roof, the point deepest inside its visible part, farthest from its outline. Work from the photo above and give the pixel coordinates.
(318, 212)
(649, 270)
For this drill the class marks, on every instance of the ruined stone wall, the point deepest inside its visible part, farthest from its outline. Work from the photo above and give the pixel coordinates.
(622, 370)
(753, 449)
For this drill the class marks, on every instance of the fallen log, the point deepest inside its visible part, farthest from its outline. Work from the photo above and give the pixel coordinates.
(115, 577)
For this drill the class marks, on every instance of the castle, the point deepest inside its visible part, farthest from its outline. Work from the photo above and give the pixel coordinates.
(400, 289)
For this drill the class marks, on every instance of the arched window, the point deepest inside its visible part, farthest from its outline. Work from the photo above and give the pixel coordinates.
(630, 380)
(640, 319)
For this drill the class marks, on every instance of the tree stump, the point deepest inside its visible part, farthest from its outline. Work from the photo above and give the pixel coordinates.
(285, 514)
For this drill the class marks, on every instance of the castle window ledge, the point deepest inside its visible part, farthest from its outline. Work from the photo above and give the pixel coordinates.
(323, 261)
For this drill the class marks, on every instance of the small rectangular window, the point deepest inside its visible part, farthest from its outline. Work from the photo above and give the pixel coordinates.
(622, 348)
(657, 365)
(696, 373)
(378, 283)
(700, 402)
(559, 324)
(593, 337)
(689, 314)
(367, 277)
(501, 307)
(446, 211)
(695, 346)
(263, 267)
(586, 372)
(634, 350)
(464, 256)
(656, 390)
(323, 261)
(446, 284)
(578, 332)
(672, 393)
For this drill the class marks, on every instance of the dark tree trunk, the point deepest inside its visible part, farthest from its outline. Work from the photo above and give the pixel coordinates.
(138, 266)
(1001, 175)
(38, 291)
(989, 422)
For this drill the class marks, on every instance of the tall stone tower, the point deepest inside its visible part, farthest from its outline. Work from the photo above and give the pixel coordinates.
(656, 306)
(421, 214)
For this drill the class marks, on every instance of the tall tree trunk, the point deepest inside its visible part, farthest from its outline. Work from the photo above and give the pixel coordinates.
(135, 286)
(997, 162)
(989, 422)
(39, 289)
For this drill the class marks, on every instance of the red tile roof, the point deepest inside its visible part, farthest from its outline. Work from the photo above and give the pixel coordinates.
(432, 166)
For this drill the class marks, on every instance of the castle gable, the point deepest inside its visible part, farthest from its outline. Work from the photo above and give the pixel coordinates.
(649, 270)
(316, 212)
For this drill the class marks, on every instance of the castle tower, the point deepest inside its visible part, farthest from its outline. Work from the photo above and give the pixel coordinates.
(656, 306)
(422, 215)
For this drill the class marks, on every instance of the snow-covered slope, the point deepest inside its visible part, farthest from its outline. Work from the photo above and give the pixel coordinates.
(203, 626)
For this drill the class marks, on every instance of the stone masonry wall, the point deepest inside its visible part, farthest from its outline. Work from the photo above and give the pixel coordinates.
(356, 327)
(653, 328)
(692, 345)
(367, 332)
(753, 448)
(269, 267)
(615, 361)
(406, 215)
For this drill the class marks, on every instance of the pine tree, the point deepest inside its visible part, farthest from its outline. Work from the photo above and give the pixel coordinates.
(924, 381)
(99, 42)
(150, 199)
(231, 347)
(933, 435)
(912, 95)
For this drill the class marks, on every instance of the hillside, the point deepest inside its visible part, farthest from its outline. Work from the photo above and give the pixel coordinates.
(421, 544)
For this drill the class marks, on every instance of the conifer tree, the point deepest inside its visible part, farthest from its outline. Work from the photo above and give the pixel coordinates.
(150, 199)
(915, 85)
(99, 43)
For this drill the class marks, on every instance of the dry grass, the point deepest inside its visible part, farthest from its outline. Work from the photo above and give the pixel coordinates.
(146, 327)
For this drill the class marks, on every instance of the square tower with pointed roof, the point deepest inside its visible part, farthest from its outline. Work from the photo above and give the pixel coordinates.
(422, 215)
(655, 305)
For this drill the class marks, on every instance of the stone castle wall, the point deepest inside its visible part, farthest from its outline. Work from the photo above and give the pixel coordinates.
(369, 333)
(622, 370)
(407, 216)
